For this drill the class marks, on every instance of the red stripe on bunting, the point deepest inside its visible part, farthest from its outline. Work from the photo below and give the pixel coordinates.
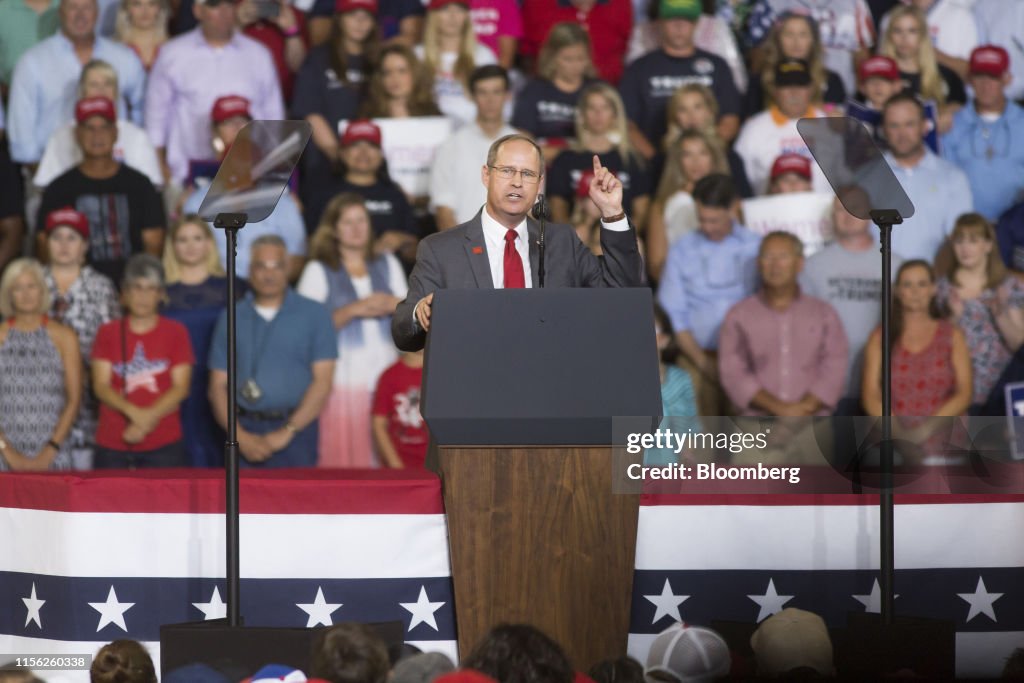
(300, 491)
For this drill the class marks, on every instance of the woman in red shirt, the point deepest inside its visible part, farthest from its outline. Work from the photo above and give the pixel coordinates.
(141, 372)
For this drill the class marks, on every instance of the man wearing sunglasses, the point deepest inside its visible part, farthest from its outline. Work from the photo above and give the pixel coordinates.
(497, 248)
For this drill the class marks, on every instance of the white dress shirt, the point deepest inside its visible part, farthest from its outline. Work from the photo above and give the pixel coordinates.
(494, 240)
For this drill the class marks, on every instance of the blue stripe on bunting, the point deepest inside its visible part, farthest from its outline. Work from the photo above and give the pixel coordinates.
(66, 614)
(721, 594)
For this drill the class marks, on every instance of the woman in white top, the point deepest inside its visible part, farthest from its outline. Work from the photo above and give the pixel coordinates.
(361, 291)
(450, 52)
(133, 146)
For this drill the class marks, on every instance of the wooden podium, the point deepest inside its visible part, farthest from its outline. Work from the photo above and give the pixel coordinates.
(537, 537)
(536, 533)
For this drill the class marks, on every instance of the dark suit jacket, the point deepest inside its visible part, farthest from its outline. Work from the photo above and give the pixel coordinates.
(447, 261)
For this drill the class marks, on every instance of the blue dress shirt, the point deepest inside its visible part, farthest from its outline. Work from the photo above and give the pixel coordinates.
(44, 90)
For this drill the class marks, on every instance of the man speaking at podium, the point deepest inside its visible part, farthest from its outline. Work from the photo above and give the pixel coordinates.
(499, 246)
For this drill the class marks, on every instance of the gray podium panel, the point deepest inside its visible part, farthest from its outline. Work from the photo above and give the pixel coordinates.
(538, 366)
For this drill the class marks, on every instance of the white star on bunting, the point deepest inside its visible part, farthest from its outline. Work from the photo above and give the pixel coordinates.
(112, 611)
(422, 610)
(33, 605)
(771, 602)
(214, 609)
(981, 601)
(667, 603)
(873, 601)
(319, 610)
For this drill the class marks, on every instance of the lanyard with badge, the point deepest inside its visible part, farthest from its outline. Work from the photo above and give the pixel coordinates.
(251, 391)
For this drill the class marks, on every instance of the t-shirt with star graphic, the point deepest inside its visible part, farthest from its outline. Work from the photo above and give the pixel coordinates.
(141, 372)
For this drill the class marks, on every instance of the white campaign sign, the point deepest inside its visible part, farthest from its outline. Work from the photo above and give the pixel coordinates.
(409, 146)
(808, 215)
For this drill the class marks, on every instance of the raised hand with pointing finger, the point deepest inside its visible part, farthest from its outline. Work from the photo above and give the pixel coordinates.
(606, 191)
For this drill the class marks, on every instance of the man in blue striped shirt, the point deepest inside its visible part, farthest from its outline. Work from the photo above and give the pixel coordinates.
(44, 85)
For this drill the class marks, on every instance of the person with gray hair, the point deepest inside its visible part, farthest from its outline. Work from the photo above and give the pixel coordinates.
(40, 374)
(497, 248)
(141, 372)
(286, 350)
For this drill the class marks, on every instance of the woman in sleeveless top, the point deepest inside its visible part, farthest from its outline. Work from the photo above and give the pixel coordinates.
(196, 295)
(361, 291)
(931, 365)
(40, 375)
(986, 302)
(83, 299)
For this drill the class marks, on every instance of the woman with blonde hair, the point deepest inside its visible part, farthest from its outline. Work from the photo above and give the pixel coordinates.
(400, 87)
(133, 147)
(979, 294)
(40, 374)
(601, 129)
(450, 52)
(696, 153)
(546, 107)
(795, 36)
(142, 26)
(361, 291)
(694, 106)
(196, 294)
(906, 40)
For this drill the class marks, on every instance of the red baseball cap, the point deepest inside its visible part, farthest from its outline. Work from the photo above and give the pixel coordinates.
(791, 163)
(67, 217)
(583, 186)
(879, 67)
(88, 107)
(989, 60)
(228, 107)
(361, 130)
(342, 6)
(438, 4)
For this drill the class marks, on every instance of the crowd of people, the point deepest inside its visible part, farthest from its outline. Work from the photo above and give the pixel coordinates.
(116, 114)
(791, 645)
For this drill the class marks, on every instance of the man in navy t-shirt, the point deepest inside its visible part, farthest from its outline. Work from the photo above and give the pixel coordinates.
(650, 81)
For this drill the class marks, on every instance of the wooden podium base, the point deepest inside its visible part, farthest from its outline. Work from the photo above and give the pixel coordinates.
(538, 537)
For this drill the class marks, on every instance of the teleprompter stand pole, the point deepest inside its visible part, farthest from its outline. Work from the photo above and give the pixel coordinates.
(885, 219)
(231, 223)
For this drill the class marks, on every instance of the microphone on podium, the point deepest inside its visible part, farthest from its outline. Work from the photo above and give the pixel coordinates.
(540, 213)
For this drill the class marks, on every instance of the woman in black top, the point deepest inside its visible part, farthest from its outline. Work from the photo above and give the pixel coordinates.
(907, 41)
(546, 107)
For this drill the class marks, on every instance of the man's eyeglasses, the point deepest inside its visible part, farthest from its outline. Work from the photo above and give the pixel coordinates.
(508, 173)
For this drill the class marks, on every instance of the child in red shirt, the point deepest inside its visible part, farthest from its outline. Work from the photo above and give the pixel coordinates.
(399, 432)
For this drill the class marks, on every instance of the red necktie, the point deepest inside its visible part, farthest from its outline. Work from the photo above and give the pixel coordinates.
(514, 277)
